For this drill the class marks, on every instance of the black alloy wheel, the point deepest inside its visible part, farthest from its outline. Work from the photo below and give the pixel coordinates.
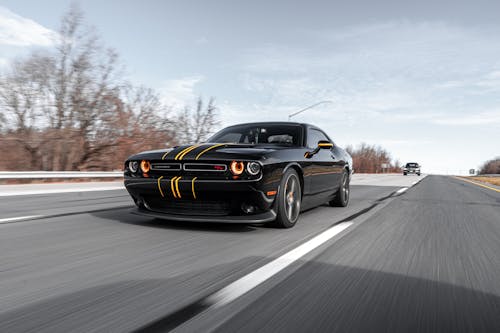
(342, 196)
(289, 200)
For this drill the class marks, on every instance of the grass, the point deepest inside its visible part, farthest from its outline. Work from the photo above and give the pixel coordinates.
(490, 180)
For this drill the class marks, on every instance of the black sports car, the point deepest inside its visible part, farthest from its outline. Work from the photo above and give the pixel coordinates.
(248, 173)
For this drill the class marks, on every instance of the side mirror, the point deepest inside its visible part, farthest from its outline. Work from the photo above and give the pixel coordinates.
(323, 144)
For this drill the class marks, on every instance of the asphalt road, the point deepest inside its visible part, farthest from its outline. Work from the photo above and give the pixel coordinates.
(422, 259)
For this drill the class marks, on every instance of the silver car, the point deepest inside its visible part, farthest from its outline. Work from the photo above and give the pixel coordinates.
(411, 167)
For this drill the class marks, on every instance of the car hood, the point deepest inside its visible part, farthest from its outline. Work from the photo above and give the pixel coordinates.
(210, 151)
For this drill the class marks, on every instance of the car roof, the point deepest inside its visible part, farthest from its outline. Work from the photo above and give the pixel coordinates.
(267, 123)
(270, 123)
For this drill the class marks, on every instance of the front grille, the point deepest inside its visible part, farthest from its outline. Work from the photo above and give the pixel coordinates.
(190, 207)
(205, 167)
(158, 166)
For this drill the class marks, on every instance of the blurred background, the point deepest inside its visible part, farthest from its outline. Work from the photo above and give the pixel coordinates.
(80, 81)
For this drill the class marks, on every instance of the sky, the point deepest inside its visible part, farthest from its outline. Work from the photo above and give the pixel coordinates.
(419, 78)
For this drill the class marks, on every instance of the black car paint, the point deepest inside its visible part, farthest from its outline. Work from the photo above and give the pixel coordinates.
(320, 175)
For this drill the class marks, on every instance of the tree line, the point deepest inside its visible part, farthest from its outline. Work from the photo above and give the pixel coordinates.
(70, 108)
(490, 167)
(372, 159)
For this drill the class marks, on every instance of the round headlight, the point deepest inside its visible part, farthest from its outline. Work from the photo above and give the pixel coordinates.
(145, 166)
(237, 168)
(253, 168)
(133, 166)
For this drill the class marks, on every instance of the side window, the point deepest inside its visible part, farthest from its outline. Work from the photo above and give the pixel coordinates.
(313, 137)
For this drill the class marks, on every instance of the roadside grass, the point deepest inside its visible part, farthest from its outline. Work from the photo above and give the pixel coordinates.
(490, 180)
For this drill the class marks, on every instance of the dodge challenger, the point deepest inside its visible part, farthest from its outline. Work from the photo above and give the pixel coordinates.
(248, 173)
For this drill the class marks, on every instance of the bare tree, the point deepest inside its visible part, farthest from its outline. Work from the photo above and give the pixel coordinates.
(70, 109)
(490, 167)
(195, 126)
(369, 159)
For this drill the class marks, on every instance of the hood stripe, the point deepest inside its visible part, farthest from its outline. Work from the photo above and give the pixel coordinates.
(165, 155)
(209, 148)
(183, 153)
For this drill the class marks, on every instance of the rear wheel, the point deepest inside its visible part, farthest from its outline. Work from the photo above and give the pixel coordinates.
(289, 200)
(342, 196)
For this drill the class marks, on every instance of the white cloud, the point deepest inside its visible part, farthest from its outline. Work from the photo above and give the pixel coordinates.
(16, 30)
(400, 71)
(180, 92)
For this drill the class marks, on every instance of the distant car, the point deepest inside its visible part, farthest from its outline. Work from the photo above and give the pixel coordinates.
(248, 173)
(411, 167)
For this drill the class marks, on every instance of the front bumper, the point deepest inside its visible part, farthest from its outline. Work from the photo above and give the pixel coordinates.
(191, 199)
(268, 216)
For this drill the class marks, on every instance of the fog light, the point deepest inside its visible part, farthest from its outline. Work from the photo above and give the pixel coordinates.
(253, 168)
(133, 166)
(247, 209)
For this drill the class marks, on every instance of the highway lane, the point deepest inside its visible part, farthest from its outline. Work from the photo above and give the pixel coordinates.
(429, 261)
(50, 199)
(113, 271)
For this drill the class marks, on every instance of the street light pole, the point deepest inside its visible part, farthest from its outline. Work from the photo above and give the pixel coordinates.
(307, 108)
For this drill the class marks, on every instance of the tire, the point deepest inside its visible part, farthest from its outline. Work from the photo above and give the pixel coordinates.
(342, 196)
(404, 174)
(418, 174)
(289, 200)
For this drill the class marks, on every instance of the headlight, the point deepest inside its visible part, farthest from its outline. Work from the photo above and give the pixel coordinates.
(145, 166)
(237, 168)
(133, 166)
(253, 168)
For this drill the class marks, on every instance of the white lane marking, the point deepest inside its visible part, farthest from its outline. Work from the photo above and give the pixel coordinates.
(401, 190)
(20, 218)
(253, 279)
(55, 191)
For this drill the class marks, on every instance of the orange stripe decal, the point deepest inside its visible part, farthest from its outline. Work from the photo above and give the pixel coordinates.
(177, 187)
(172, 187)
(209, 148)
(159, 186)
(165, 155)
(192, 187)
(187, 151)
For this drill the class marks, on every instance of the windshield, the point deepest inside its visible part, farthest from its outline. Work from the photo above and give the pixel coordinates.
(290, 135)
(412, 165)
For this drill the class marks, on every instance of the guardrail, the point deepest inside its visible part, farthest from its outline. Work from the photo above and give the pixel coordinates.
(59, 174)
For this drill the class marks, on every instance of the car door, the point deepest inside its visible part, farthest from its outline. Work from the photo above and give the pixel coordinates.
(325, 168)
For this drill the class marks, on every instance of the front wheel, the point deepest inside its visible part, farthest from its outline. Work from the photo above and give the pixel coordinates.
(342, 196)
(289, 200)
